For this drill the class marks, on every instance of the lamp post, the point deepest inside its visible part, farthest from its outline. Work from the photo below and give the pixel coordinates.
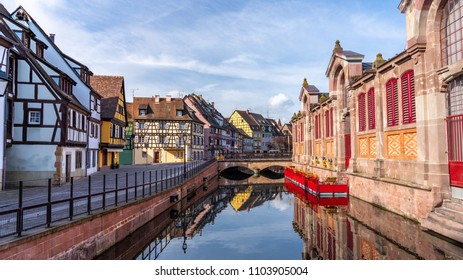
(5, 45)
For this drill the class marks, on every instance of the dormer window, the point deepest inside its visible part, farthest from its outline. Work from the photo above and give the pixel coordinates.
(40, 48)
(179, 113)
(142, 109)
(24, 37)
(64, 83)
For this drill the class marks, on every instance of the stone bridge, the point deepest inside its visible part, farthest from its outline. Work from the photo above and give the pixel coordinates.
(254, 164)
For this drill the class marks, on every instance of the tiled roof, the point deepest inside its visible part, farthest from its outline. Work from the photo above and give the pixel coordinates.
(249, 119)
(129, 111)
(108, 107)
(162, 110)
(107, 86)
(351, 54)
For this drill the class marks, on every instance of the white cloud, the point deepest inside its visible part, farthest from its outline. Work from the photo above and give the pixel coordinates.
(280, 204)
(280, 100)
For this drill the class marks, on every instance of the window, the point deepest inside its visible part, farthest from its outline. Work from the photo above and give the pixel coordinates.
(74, 119)
(144, 154)
(392, 103)
(408, 97)
(371, 109)
(179, 113)
(141, 125)
(361, 111)
(120, 109)
(39, 50)
(35, 117)
(181, 126)
(455, 96)
(451, 32)
(142, 112)
(78, 159)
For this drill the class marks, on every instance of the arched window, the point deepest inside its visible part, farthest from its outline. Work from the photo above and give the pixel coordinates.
(361, 111)
(392, 103)
(455, 96)
(371, 109)
(408, 97)
(451, 32)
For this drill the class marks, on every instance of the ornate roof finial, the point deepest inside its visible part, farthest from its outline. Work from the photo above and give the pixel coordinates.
(337, 47)
(379, 61)
(305, 83)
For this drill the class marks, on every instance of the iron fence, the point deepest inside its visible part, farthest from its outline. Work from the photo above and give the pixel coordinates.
(86, 196)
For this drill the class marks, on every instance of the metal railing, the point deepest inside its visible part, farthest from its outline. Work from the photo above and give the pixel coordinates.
(86, 196)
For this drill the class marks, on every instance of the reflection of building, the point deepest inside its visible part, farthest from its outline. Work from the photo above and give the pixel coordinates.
(165, 129)
(364, 232)
(252, 196)
(113, 116)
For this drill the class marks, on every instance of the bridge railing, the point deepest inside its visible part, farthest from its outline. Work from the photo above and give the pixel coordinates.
(250, 156)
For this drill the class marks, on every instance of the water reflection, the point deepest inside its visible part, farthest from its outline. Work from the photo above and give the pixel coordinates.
(269, 222)
(360, 231)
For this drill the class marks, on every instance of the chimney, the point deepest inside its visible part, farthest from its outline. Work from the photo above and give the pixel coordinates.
(168, 98)
(52, 37)
(156, 99)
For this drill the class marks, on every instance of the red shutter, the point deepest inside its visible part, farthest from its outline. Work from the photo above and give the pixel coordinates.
(302, 132)
(371, 109)
(327, 124)
(408, 97)
(361, 111)
(392, 103)
(316, 127)
(331, 122)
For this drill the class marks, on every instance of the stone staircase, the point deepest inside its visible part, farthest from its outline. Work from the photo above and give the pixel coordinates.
(446, 220)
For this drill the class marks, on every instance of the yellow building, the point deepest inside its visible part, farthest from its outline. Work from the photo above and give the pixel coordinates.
(113, 118)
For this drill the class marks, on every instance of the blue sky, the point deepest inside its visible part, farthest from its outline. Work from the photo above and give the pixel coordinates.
(238, 54)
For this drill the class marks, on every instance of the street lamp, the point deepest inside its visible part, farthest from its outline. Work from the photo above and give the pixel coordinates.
(184, 137)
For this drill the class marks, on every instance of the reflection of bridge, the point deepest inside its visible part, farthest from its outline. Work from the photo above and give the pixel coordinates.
(253, 180)
(255, 163)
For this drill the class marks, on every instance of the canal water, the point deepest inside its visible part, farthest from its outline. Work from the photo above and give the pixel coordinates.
(258, 219)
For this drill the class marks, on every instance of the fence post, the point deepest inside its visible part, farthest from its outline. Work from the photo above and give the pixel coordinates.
(161, 180)
(150, 182)
(143, 191)
(126, 187)
(136, 185)
(19, 218)
(49, 203)
(115, 200)
(71, 200)
(156, 182)
(104, 191)
(89, 198)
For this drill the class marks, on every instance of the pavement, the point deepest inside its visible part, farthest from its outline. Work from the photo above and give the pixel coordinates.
(35, 199)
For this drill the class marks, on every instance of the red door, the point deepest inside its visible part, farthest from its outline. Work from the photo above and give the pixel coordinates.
(455, 149)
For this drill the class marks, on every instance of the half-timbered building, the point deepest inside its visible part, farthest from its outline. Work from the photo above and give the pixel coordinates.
(214, 124)
(50, 108)
(6, 98)
(166, 130)
(113, 116)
